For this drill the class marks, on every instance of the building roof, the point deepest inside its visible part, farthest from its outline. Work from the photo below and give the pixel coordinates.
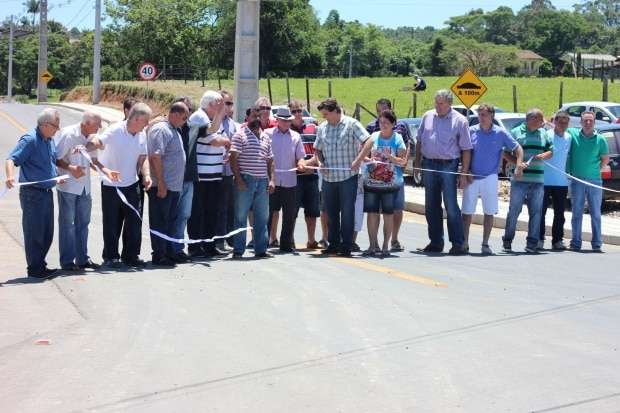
(590, 56)
(528, 55)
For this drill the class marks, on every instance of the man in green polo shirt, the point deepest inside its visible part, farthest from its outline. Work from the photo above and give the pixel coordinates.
(527, 185)
(589, 153)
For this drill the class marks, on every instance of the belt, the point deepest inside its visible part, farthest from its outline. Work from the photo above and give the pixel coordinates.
(441, 160)
(36, 188)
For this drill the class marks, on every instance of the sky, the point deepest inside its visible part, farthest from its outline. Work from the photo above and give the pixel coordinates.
(387, 13)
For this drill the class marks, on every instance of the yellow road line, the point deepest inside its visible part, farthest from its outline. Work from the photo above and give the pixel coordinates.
(13, 121)
(391, 272)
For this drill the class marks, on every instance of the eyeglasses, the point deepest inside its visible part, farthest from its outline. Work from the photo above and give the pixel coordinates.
(229, 103)
(296, 111)
(54, 125)
(264, 107)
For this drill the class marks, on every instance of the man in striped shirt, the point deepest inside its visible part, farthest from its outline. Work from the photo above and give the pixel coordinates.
(527, 185)
(210, 147)
(251, 160)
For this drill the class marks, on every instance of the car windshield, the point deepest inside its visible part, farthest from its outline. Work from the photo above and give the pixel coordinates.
(615, 110)
(511, 123)
(413, 129)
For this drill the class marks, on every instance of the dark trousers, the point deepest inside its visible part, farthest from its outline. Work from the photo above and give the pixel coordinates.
(162, 217)
(340, 206)
(38, 225)
(119, 218)
(203, 222)
(285, 199)
(556, 197)
(226, 211)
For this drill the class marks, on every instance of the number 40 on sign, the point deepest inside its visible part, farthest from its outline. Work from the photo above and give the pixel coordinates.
(147, 71)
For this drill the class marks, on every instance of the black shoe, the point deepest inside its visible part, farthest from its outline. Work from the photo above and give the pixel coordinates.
(197, 254)
(329, 251)
(112, 263)
(289, 250)
(323, 244)
(163, 262)
(237, 256)
(181, 258)
(457, 250)
(70, 267)
(223, 247)
(264, 255)
(89, 264)
(135, 263)
(355, 247)
(45, 274)
(344, 253)
(431, 248)
(215, 252)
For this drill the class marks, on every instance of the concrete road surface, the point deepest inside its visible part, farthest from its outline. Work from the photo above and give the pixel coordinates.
(303, 333)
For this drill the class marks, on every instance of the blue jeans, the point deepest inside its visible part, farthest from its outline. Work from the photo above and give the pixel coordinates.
(339, 198)
(38, 225)
(436, 185)
(162, 218)
(531, 194)
(73, 219)
(184, 212)
(579, 192)
(256, 198)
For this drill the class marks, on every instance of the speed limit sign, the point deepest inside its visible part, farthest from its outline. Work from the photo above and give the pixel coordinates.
(147, 71)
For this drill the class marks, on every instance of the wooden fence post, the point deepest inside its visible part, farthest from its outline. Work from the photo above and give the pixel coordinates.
(219, 79)
(308, 94)
(329, 88)
(288, 89)
(561, 94)
(269, 88)
(514, 98)
(415, 105)
(605, 90)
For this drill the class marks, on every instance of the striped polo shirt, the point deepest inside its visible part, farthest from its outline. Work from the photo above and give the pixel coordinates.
(254, 152)
(533, 143)
(209, 158)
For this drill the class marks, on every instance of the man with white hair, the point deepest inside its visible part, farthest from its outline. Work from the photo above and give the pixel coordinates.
(124, 150)
(35, 154)
(443, 142)
(74, 199)
(204, 125)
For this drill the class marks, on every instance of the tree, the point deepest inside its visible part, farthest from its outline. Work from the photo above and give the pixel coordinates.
(438, 68)
(33, 7)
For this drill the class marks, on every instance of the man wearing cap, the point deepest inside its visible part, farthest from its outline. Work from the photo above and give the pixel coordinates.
(288, 153)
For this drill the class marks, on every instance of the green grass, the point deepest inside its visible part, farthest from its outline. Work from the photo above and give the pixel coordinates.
(531, 92)
(53, 95)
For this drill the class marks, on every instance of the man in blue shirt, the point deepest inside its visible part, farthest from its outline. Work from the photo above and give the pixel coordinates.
(556, 182)
(35, 154)
(489, 142)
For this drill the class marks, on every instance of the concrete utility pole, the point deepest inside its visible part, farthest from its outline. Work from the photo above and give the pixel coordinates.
(246, 56)
(42, 85)
(9, 93)
(97, 54)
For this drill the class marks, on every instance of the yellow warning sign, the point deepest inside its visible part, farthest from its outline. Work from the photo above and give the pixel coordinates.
(46, 76)
(469, 88)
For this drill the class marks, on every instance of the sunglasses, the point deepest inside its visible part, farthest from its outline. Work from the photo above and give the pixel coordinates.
(229, 103)
(264, 107)
(296, 111)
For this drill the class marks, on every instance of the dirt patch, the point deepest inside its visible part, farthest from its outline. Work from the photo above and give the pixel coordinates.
(113, 96)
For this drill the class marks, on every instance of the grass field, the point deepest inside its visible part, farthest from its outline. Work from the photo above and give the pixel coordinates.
(531, 92)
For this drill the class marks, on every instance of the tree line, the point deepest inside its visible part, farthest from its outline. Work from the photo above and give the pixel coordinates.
(194, 39)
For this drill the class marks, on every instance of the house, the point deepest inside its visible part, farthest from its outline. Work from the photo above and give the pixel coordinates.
(529, 63)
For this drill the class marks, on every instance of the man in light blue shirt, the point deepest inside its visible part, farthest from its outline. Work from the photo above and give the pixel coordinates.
(556, 182)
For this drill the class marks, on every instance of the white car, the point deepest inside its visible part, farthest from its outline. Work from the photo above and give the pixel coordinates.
(603, 111)
(472, 111)
(308, 118)
(506, 120)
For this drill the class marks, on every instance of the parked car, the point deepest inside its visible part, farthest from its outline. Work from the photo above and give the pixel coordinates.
(612, 180)
(308, 118)
(413, 124)
(472, 111)
(604, 112)
(506, 120)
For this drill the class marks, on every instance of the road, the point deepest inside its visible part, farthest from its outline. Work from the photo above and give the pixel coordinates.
(409, 333)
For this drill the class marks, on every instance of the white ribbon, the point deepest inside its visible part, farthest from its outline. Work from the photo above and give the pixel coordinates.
(581, 180)
(5, 189)
(152, 231)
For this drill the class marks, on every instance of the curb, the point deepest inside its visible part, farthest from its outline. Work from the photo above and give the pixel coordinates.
(500, 222)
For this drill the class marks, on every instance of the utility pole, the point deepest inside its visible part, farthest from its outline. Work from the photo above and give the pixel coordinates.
(97, 54)
(351, 60)
(10, 71)
(42, 85)
(246, 56)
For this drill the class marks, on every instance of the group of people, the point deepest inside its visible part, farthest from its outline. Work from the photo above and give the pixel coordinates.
(220, 181)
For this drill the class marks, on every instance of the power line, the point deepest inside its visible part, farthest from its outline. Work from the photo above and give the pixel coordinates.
(86, 3)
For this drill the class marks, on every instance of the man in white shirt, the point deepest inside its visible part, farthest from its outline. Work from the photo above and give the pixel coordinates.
(74, 199)
(124, 150)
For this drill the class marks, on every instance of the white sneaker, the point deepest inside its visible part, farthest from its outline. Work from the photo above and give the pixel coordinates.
(486, 250)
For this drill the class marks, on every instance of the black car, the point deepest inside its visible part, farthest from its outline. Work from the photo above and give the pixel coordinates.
(611, 132)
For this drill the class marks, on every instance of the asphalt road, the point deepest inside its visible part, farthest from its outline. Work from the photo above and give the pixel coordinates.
(410, 333)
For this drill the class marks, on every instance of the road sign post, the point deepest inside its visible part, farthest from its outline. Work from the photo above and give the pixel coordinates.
(468, 88)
